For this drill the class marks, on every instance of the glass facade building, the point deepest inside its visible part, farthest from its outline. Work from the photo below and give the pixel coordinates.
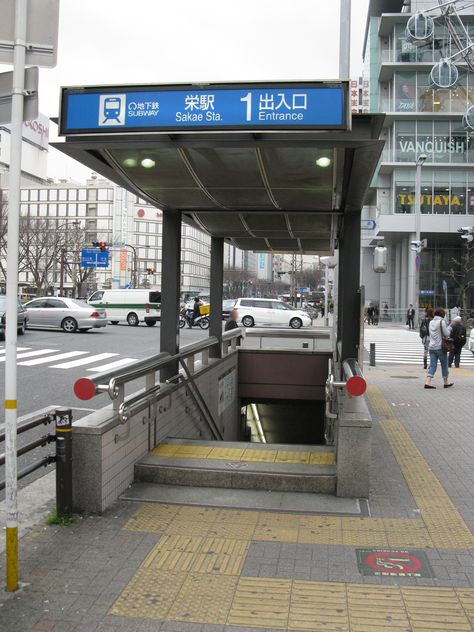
(420, 119)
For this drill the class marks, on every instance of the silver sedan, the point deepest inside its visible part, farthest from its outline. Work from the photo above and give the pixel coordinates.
(69, 314)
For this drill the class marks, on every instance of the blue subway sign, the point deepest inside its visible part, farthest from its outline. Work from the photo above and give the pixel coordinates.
(285, 106)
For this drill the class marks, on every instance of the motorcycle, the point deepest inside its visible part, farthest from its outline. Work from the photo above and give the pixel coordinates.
(186, 317)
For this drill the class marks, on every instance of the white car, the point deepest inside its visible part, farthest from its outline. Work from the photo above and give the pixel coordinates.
(270, 311)
(470, 341)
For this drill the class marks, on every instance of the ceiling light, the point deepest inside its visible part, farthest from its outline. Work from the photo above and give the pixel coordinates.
(324, 161)
(148, 163)
(130, 162)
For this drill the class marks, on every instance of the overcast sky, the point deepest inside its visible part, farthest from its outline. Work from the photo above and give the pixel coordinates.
(167, 41)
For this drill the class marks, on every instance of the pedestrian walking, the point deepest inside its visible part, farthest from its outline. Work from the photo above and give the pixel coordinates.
(425, 334)
(438, 330)
(371, 314)
(458, 334)
(232, 323)
(411, 317)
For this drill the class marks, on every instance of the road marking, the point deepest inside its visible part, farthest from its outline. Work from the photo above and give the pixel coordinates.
(18, 349)
(81, 361)
(69, 354)
(112, 365)
(30, 354)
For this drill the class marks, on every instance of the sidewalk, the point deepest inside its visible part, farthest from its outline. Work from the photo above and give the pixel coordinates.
(409, 566)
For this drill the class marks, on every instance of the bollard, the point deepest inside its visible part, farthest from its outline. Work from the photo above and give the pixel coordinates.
(63, 462)
(372, 354)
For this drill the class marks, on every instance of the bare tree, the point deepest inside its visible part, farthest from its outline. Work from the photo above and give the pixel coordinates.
(461, 273)
(40, 243)
(74, 242)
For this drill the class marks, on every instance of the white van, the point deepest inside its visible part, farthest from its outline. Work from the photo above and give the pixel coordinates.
(270, 311)
(132, 306)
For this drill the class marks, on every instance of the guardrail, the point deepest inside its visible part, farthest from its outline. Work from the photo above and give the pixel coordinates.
(62, 417)
(113, 382)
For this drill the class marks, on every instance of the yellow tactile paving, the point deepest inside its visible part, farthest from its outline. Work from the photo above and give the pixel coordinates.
(193, 574)
(203, 599)
(378, 403)
(322, 458)
(312, 457)
(261, 602)
(443, 522)
(261, 456)
(318, 606)
(221, 454)
(150, 594)
(292, 456)
(152, 518)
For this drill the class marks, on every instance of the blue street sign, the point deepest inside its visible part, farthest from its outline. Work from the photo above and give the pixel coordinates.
(302, 290)
(94, 258)
(368, 224)
(427, 292)
(306, 105)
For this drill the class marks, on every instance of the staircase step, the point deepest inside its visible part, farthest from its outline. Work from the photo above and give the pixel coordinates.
(292, 502)
(240, 465)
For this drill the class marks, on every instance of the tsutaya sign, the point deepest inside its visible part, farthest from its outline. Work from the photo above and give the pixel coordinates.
(281, 106)
(436, 200)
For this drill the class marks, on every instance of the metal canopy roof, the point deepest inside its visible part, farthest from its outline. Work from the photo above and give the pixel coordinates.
(261, 191)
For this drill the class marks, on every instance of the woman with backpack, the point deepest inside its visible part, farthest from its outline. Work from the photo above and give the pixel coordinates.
(458, 334)
(425, 334)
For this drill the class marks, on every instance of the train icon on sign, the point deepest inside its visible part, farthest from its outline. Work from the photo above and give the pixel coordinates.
(112, 109)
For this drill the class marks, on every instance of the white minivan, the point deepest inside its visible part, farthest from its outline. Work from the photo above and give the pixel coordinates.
(131, 306)
(270, 311)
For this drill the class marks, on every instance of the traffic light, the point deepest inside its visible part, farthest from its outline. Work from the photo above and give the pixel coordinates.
(102, 245)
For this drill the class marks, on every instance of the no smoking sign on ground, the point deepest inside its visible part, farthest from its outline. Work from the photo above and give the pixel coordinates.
(393, 563)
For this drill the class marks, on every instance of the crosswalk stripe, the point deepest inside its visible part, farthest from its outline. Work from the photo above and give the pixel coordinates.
(30, 354)
(81, 361)
(61, 356)
(112, 365)
(2, 351)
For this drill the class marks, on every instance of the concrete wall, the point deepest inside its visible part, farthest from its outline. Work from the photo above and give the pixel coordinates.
(354, 447)
(105, 452)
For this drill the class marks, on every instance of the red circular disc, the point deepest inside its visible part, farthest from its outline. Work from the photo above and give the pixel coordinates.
(356, 385)
(84, 388)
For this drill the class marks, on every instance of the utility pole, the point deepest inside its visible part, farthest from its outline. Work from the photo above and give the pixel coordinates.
(61, 271)
(11, 468)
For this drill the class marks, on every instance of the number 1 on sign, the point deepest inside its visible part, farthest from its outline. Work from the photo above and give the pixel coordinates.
(248, 100)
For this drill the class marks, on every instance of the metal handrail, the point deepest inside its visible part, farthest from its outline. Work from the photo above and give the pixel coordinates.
(111, 382)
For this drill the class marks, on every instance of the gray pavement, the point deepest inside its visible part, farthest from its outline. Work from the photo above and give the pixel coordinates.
(77, 578)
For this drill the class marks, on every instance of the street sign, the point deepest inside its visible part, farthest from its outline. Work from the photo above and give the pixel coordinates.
(302, 105)
(41, 32)
(30, 103)
(431, 292)
(94, 258)
(368, 224)
(303, 290)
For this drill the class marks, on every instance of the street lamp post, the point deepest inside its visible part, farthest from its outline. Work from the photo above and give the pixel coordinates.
(416, 289)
